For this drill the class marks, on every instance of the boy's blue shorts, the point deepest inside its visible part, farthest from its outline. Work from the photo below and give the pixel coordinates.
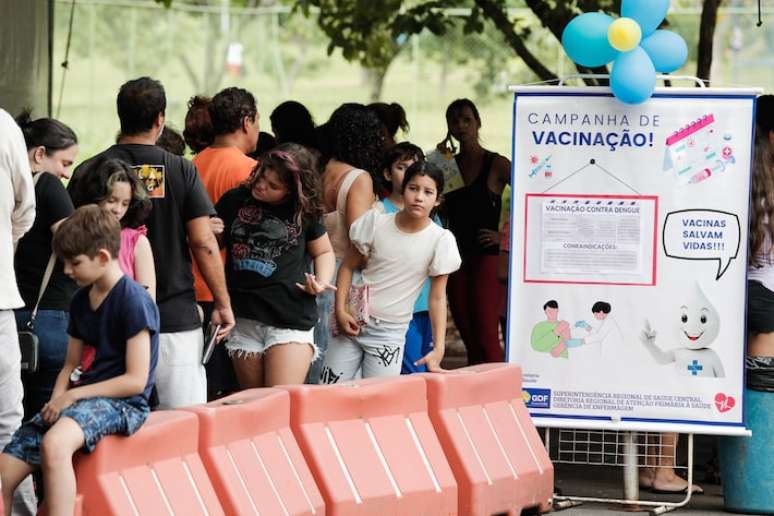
(97, 417)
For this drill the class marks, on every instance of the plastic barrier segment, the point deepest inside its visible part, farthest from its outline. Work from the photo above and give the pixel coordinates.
(155, 471)
(493, 448)
(252, 457)
(372, 449)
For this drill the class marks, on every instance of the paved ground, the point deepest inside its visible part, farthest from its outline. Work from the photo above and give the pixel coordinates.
(606, 482)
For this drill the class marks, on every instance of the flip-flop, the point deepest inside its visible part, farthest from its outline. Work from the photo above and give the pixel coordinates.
(684, 491)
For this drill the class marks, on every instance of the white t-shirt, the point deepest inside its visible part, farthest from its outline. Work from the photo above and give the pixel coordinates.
(399, 262)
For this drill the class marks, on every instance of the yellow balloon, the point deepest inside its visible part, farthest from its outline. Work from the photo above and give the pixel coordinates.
(624, 34)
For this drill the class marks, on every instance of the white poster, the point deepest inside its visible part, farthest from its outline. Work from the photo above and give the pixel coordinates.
(628, 263)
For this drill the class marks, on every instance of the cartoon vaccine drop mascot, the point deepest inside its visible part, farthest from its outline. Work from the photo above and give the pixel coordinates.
(696, 324)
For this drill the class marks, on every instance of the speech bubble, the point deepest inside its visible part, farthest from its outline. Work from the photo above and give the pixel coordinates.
(702, 235)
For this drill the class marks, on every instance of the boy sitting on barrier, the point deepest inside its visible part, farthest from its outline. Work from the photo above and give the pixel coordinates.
(108, 375)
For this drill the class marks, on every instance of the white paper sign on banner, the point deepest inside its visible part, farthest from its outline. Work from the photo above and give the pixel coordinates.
(628, 257)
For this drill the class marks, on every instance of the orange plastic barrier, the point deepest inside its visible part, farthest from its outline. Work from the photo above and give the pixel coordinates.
(252, 458)
(372, 449)
(498, 459)
(155, 471)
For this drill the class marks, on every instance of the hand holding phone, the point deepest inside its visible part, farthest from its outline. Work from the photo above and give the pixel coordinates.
(210, 340)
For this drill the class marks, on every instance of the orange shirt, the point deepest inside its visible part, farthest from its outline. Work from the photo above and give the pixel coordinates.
(220, 169)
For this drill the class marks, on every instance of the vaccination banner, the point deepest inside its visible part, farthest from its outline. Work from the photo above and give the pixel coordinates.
(628, 258)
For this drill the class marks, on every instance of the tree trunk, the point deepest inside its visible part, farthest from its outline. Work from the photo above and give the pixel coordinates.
(375, 81)
(709, 19)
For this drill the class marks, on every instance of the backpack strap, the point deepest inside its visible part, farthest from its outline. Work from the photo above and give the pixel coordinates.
(47, 273)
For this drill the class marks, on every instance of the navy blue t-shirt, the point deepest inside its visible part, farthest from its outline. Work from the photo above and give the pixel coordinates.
(126, 311)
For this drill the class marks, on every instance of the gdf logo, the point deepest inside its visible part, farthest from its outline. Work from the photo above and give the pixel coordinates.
(537, 398)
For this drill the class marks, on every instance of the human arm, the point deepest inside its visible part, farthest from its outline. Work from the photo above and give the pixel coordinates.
(18, 165)
(346, 322)
(501, 167)
(360, 198)
(131, 383)
(205, 251)
(144, 268)
(324, 264)
(437, 307)
(503, 265)
(217, 226)
(503, 258)
(72, 360)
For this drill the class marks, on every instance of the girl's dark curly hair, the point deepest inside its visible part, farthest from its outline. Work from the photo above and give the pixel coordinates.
(96, 185)
(356, 137)
(296, 167)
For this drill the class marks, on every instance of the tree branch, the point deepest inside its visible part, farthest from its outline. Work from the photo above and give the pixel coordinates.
(497, 15)
(709, 19)
(555, 18)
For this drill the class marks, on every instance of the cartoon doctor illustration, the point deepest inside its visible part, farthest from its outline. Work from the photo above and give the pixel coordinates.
(696, 325)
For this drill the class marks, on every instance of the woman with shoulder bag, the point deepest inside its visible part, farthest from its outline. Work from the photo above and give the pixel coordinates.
(52, 148)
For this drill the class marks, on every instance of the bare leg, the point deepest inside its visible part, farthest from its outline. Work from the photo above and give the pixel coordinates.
(665, 478)
(56, 453)
(648, 471)
(12, 472)
(249, 370)
(288, 363)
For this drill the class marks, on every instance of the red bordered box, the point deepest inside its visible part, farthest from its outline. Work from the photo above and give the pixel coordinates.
(645, 198)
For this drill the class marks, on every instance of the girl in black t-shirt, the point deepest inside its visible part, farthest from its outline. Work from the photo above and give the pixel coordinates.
(272, 231)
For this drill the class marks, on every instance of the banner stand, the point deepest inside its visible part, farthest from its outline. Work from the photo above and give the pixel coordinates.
(543, 168)
(572, 445)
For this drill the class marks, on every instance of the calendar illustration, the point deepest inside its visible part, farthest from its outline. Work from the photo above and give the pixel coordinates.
(698, 152)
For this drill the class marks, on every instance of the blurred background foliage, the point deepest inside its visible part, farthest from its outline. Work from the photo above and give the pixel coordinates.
(422, 54)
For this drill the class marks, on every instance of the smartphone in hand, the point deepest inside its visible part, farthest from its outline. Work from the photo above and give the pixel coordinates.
(210, 340)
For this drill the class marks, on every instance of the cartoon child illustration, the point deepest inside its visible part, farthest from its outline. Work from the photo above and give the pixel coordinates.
(601, 327)
(696, 325)
(552, 335)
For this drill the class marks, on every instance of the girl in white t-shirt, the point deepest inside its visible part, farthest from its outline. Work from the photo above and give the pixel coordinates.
(396, 252)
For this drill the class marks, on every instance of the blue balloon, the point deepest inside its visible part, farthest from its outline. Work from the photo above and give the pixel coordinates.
(633, 78)
(648, 13)
(585, 40)
(666, 49)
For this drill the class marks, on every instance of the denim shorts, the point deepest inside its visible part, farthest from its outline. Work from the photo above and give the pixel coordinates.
(253, 337)
(97, 417)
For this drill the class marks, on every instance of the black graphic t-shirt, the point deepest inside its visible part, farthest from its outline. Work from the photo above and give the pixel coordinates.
(178, 196)
(265, 258)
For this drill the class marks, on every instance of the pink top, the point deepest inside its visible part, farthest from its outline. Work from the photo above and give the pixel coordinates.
(129, 238)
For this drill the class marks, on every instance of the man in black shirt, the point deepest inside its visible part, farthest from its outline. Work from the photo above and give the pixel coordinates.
(179, 221)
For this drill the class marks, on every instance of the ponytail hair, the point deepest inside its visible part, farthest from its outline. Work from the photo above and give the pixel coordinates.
(393, 116)
(199, 132)
(49, 133)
